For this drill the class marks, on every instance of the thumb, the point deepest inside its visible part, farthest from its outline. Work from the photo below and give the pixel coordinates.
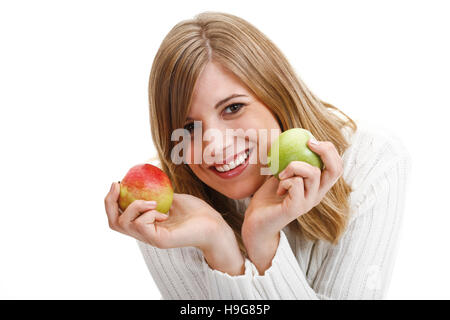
(312, 142)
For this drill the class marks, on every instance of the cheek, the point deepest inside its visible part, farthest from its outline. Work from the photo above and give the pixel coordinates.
(267, 131)
(259, 117)
(189, 154)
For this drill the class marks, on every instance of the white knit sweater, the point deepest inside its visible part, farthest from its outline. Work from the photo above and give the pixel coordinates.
(377, 166)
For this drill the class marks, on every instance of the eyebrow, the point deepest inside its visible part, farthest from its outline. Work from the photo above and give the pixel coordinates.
(218, 104)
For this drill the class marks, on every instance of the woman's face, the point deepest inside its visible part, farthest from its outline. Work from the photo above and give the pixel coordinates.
(238, 121)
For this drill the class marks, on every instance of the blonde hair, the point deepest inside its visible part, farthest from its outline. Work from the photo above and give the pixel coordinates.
(260, 65)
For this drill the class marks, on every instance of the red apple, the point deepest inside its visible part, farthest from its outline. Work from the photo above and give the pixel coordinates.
(146, 182)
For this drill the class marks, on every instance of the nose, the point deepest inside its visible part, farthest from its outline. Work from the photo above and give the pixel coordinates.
(215, 142)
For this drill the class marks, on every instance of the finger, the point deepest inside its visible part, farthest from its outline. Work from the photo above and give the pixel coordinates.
(145, 226)
(309, 173)
(151, 216)
(134, 210)
(283, 186)
(327, 152)
(332, 162)
(294, 186)
(293, 202)
(111, 205)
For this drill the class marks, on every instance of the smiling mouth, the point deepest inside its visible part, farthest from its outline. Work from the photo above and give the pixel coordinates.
(237, 162)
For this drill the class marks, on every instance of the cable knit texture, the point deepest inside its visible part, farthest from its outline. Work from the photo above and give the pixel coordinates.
(377, 166)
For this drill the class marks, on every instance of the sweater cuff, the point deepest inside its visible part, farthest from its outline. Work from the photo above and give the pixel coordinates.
(223, 286)
(284, 279)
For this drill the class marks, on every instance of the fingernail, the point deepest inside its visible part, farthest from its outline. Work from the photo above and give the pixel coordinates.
(151, 203)
(112, 186)
(282, 175)
(314, 141)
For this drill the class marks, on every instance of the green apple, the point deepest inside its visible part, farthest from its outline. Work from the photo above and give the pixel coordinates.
(146, 182)
(292, 145)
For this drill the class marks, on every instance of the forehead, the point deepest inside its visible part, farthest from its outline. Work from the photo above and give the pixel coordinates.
(214, 84)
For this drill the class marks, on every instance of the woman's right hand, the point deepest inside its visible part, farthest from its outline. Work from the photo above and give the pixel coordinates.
(189, 222)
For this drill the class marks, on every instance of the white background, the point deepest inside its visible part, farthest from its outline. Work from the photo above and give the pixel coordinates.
(74, 118)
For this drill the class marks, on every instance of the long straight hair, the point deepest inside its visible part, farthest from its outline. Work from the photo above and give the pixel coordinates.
(261, 66)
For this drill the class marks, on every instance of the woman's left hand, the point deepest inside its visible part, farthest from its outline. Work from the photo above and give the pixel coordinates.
(301, 187)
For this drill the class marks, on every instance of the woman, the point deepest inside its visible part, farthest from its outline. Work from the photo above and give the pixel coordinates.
(234, 233)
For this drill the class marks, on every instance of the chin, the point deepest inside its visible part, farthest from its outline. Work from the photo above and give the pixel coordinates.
(239, 195)
(236, 190)
(244, 190)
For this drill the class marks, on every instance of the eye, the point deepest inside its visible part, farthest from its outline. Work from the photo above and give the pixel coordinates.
(235, 107)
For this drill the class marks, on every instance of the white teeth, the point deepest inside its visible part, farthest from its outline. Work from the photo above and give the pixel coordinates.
(233, 164)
